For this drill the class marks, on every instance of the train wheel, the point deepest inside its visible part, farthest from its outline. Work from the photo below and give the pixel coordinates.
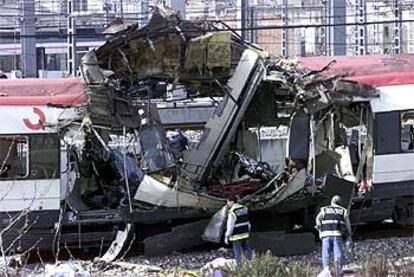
(404, 212)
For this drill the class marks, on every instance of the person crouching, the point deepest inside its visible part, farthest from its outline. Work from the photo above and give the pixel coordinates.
(238, 229)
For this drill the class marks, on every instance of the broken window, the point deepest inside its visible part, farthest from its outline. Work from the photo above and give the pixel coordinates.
(407, 131)
(14, 157)
(155, 150)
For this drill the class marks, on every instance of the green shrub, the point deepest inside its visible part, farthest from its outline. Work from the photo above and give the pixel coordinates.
(268, 266)
(379, 265)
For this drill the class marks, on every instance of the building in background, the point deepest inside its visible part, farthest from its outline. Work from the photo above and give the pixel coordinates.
(282, 27)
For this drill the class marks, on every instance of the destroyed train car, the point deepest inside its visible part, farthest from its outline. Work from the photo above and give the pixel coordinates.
(86, 161)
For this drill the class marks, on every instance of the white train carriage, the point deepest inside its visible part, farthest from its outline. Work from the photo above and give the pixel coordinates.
(34, 172)
(390, 153)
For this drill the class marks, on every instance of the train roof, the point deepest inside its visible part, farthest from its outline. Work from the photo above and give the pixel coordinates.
(64, 91)
(384, 70)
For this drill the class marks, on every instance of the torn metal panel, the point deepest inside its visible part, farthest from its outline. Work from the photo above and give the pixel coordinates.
(216, 226)
(334, 185)
(117, 247)
(374, 70)
(109, 110)
(172, 49)
(221, 127)
(282, 192)
(212, 50)
(91, 72)
(156, 193)
(327, 163)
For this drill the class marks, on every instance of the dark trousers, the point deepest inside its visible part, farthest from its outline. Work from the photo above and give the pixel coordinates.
(240, 247)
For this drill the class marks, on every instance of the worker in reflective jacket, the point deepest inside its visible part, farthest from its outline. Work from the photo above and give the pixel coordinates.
(333, 225)
(238, 229)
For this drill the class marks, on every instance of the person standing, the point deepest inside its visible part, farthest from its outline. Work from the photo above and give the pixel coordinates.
(333, 225)
(238, 229)
(2, 74)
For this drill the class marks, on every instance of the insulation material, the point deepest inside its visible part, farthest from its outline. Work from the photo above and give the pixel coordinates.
(344, 167)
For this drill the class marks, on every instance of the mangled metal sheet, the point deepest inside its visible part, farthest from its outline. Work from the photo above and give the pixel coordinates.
(172, 49)
(225, 121)
(216, 226)
(118, 245)
(154, 192)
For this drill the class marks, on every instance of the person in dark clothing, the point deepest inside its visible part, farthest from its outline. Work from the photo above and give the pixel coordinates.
(333, 224)
(2, 74)
(238, 229)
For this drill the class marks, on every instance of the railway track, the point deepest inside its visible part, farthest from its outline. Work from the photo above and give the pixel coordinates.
(382, 230)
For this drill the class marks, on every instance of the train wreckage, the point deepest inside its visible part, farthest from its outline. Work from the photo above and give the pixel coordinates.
(87, 160)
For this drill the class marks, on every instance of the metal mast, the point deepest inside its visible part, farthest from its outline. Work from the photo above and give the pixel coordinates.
(397, 34)
(361, 29)
(285, 31)
(71, 39)
(337, 31)
(28, 39)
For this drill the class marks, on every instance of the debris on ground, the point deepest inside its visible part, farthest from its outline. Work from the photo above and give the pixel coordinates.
(390, 254)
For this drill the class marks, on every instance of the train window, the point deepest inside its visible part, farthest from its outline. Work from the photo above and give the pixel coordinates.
(44, 156)
(56, 61)
(387, 133)
(9, 63)
(407, 131)
(14, 157)
(155, 148)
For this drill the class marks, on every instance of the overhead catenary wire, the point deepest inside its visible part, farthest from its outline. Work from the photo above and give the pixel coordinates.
(267, 27)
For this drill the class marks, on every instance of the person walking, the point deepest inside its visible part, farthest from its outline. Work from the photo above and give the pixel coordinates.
(238, 229)
(333, 225)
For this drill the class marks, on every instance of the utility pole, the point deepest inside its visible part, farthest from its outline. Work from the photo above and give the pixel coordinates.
(71, 39)
(28, 39)
(242, 17)
(285, 31)
(106, 9)
(144, 11)
(252, 21)
(361, 29)
(397, 34)
(121, 6)
(325, 30)
(206, 7)
(337, 29)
